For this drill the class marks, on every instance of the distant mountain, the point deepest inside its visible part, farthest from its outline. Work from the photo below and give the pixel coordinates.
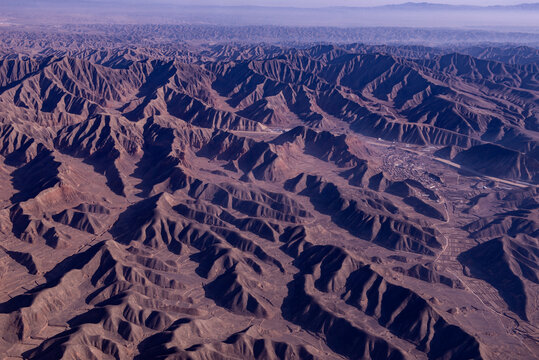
(432, 6)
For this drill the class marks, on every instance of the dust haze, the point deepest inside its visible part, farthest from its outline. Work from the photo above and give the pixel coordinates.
(522, 16)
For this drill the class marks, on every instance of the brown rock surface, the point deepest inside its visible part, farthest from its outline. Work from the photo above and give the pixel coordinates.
(265, 202)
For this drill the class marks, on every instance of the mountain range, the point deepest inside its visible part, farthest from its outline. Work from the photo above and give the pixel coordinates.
(189, 200)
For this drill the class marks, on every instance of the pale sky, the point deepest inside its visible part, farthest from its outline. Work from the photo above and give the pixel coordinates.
(321, 3)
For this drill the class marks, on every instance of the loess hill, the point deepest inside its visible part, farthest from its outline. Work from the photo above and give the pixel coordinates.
(268, 202)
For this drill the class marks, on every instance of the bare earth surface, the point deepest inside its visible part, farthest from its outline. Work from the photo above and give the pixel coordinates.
(266, 202)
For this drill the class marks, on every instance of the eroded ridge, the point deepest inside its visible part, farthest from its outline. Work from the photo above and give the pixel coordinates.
(265, 202)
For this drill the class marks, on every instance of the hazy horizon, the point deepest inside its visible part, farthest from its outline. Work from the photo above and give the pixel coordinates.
(321, 3)
(276, 12)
